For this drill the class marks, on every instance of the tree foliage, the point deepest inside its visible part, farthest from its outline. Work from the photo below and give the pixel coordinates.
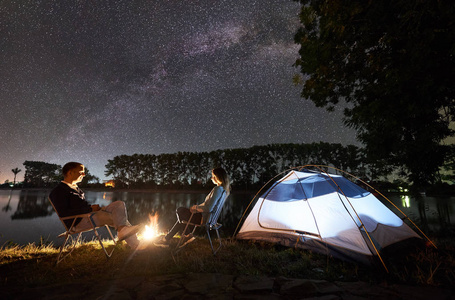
(248, 168)
(15, 171)
(392, 64)
(41, 174)
(89, 179)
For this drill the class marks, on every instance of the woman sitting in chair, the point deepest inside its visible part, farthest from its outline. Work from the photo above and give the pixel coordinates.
(199, 212)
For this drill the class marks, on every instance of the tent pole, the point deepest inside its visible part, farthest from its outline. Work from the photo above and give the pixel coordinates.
(418, 228)
(358, 217)
(375, 249)
(396, 207)
(243, 215)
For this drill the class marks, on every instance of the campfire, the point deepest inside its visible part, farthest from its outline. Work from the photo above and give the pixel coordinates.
(151, 230)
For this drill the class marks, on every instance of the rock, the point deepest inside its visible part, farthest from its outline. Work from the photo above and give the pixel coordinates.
(223, 287)
(424, 293)
(367, 291)
(258, 297)
(179, 294)
(325, 287)
(207, 283)
(254, 284)
(328, 297)
(118, 294)
(148, 290)
(297, 288)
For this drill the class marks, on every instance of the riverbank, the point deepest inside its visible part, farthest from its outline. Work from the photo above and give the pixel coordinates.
(187, 190)
(239, 271)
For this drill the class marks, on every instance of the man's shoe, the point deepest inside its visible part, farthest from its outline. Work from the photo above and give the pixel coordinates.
(187, 239)
(133, 242)
(128, 231)
(162, 242)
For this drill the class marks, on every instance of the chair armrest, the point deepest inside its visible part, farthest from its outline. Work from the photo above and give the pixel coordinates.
(77, 216)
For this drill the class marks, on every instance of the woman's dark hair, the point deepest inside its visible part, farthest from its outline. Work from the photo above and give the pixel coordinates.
(222, 176)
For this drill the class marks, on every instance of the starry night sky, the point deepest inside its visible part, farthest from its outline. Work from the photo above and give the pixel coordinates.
(88, 80)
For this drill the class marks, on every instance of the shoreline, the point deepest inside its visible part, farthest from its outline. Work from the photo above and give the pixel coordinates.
(137, 190)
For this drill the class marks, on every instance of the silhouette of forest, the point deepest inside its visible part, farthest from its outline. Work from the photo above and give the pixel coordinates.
(249, 168)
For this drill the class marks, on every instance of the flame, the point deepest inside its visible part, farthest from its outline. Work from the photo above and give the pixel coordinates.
(151, 230)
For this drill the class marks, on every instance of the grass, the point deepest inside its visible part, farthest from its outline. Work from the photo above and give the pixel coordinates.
(34, 265)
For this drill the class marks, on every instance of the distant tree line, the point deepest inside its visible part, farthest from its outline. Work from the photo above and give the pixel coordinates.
(248, 168)
(40, 174)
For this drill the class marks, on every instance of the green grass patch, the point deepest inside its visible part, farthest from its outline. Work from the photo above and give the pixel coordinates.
(34, 265)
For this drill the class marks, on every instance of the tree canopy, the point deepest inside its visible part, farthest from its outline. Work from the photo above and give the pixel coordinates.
(247, 167)
(391, 64)
(43, 174)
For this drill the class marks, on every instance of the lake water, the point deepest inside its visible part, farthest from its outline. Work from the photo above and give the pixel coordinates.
(26, 216)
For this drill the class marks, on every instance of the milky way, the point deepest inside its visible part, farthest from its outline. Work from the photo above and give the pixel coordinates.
(89, 80)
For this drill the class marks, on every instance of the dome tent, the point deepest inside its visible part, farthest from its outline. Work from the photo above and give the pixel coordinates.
(324, 213)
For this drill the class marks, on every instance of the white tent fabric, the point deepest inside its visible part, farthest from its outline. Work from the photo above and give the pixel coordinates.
(324, 213)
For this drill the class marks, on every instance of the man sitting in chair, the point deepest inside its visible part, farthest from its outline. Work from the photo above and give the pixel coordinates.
(69, 200)
(221, 179)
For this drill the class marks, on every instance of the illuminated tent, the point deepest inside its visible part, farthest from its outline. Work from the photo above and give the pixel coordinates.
(324, 213)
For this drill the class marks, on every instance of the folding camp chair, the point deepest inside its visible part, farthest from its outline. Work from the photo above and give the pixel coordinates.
(69, 232)
(210, 224)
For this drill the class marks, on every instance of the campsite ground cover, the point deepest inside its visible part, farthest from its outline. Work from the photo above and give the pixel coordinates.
(24, 268)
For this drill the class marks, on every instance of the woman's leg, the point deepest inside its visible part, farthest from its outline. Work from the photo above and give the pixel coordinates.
(183, 214)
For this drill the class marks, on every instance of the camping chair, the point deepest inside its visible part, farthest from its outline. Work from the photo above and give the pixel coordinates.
(69, 232)
(210, 224)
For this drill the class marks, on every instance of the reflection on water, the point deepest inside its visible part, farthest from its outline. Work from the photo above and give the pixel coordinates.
(432, 214)
(32, 206)
(405, 200)
(27, 216)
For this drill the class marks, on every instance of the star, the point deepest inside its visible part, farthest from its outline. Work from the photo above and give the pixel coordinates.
(86, 81)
